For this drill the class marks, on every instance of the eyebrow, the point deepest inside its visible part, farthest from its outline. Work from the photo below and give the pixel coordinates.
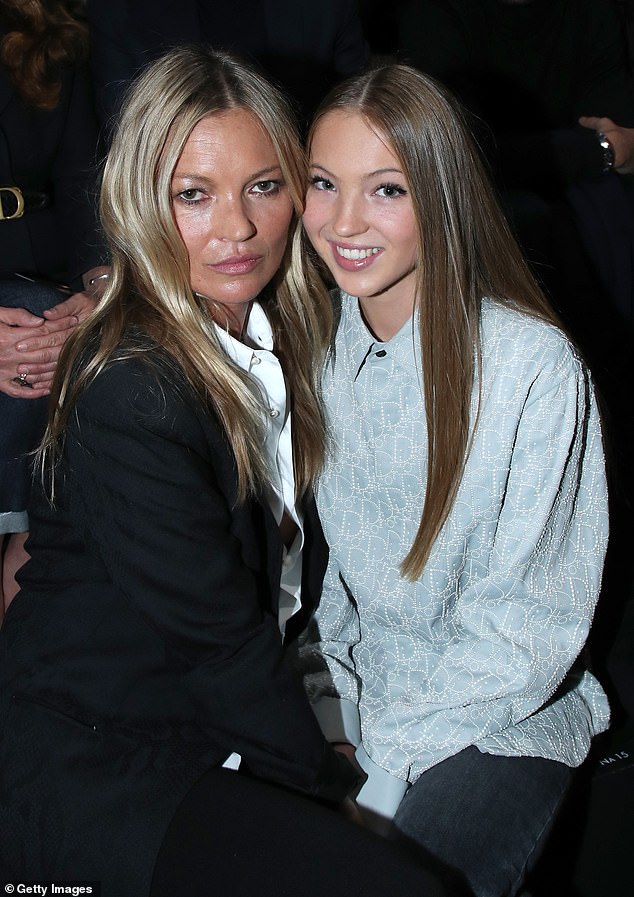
(257, 175)
(370, 174)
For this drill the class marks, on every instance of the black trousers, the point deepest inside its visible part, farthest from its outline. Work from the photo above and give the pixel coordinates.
(236, 836)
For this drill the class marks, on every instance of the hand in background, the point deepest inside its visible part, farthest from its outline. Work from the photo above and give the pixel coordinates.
(77, 306)
(622, 140)
(30, 345)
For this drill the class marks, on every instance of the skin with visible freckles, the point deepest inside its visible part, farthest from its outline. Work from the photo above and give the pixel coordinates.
(360, 218)
(232, 210)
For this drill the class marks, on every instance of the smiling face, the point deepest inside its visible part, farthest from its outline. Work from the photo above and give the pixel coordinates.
(360, 218)
(232, 210)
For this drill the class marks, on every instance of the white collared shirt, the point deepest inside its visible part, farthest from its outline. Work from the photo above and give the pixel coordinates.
(256, 357)
(259, 360)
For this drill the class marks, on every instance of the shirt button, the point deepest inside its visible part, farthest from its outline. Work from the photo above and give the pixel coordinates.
(274, 412)
(381, 354)
(255, 360)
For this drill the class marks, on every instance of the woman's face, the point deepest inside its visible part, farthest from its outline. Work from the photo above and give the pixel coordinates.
(232, 210)
(359, 214)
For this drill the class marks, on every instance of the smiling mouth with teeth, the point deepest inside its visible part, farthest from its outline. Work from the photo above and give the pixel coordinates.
(356, 254)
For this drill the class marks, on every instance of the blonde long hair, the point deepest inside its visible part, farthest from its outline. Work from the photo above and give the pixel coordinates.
(465, 252)
(150, 286)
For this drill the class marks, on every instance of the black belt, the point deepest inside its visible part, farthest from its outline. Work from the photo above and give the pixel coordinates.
(15, 202)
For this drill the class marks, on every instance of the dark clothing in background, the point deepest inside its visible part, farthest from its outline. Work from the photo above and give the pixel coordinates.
(22, 420)
(304, 46)
(528, 71)
(50, 155)
(51, 152)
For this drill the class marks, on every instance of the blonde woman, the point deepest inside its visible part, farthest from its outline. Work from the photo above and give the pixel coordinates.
(464, 502)
(173, 536)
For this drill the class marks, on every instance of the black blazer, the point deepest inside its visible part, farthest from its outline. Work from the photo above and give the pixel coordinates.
(304, 46)
(143, 647)
(52, 152)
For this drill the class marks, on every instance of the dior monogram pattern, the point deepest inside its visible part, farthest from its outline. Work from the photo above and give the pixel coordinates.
(479, 649)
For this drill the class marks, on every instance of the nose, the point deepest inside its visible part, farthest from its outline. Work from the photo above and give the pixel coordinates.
(349, 219)
(234, 222)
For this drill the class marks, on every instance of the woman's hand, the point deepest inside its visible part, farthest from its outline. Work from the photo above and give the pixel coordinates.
(349, 808)
(77, 306)
(347, 749)
(351, 811)
(30, 345)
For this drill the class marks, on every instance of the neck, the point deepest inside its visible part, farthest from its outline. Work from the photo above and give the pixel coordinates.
(233, 319)
(384, 320)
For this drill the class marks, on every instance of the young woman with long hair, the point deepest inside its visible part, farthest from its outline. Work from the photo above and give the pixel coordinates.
(464, 501)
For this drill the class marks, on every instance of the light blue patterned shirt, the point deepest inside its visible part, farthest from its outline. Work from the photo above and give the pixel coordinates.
(479, 649)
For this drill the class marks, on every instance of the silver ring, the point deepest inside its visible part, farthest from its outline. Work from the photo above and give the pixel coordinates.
(22, 381)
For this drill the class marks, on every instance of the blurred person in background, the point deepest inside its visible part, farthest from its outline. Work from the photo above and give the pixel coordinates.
(50, 250)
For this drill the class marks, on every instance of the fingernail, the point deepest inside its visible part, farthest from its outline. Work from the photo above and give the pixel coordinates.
(21, 347)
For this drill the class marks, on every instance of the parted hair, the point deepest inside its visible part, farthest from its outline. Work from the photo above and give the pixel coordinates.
(465, 252)
(43, 37)
(150, 288)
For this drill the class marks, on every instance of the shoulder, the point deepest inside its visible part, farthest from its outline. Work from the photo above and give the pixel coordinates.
(525, 345)
(140, 417)
(144, 390)
(140, 374)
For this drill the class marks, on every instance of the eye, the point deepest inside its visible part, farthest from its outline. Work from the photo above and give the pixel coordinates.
(321, 183)
(266, 188)
(390, 191)
(191, 196)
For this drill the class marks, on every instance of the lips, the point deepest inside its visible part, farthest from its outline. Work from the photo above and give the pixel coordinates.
(354, 258)
(237, 264)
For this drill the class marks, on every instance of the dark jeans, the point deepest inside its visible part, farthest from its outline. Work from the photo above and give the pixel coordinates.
(486, 817)
(23, 420)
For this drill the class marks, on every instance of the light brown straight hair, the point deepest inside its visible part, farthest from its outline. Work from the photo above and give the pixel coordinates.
(465, 252)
